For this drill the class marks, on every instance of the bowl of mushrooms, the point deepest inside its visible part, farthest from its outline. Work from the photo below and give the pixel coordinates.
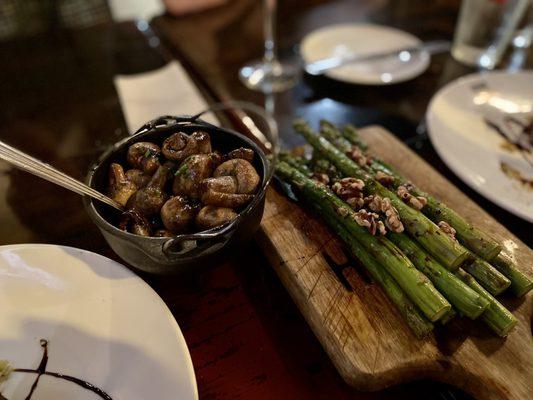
(192, 192)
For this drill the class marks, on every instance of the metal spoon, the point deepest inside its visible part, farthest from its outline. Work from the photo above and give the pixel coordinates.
(36, 167)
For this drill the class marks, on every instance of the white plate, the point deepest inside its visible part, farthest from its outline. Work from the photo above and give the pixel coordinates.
(473, 150)
(364, 39)
(103, 325)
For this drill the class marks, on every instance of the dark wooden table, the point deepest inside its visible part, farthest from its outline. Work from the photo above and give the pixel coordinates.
(246, 338)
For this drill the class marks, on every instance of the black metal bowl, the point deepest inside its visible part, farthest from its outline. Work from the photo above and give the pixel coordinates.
(191, 250)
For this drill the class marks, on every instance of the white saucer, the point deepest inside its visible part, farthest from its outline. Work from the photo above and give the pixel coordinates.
(472, 149)
(365, 39)
(103, 325)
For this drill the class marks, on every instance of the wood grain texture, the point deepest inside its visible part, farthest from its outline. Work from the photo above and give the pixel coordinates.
(369, 344)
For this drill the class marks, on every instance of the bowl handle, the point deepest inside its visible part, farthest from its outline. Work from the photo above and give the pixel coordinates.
(223, 235)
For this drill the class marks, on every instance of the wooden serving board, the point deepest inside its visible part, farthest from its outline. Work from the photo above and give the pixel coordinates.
(370, 345)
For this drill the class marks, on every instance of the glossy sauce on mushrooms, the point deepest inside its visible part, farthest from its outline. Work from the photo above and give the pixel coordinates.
(182, 186)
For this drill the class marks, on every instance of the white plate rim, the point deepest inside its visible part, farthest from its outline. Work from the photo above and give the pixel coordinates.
(173, 323)
(424, 65)
(449, 161)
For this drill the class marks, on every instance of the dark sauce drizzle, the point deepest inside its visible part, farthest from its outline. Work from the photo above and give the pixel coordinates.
(41, 370)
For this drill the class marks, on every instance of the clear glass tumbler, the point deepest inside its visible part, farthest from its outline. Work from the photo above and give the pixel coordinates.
(484, 30)
(269, 74)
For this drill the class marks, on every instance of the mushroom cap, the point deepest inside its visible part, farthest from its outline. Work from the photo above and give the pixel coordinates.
(147, 201)
(137, 177)
(178, 213)
(212, 216)
(242, 152)
(135, 223)
(179, 146)
(144, 156)
(220, 192)
(192, 172)
(203, 141)
(244, 173)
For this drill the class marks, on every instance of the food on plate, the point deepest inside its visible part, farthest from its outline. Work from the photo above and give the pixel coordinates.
(430, 261)
(182, 185)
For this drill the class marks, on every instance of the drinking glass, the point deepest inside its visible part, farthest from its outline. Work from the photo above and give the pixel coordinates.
(269, 74)
(484, 29)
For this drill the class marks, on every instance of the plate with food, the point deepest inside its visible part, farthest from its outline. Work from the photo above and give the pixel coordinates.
(482, 127)
(191, 191)
(77, 325)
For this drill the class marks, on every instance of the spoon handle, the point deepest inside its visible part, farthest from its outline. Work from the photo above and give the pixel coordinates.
(320, 66)
(36, 167)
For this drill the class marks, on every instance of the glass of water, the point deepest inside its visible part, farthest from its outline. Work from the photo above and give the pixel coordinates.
(269, 74)
(484, 29)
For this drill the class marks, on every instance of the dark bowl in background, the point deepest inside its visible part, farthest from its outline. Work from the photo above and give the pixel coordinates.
(184, 251)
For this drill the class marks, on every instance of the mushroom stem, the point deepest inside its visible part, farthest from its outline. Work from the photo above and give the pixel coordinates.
(120, 188)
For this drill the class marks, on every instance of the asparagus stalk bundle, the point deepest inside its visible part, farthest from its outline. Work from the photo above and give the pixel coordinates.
(495, 315)
(415, 285)
(462, 297)
(427, 233)
(387, 259)
(471, 237)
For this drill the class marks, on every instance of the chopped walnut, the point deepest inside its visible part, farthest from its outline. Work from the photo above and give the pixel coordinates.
(350, 190)
(417, 202)
(384, 179)
(358, 156)
(363, 218)
(403, 193)
(384, 205)
(348, 187)
(381, 228)
(356, 202)
(373, 202)
(447, 229)
(369, 220)
(321, 178)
